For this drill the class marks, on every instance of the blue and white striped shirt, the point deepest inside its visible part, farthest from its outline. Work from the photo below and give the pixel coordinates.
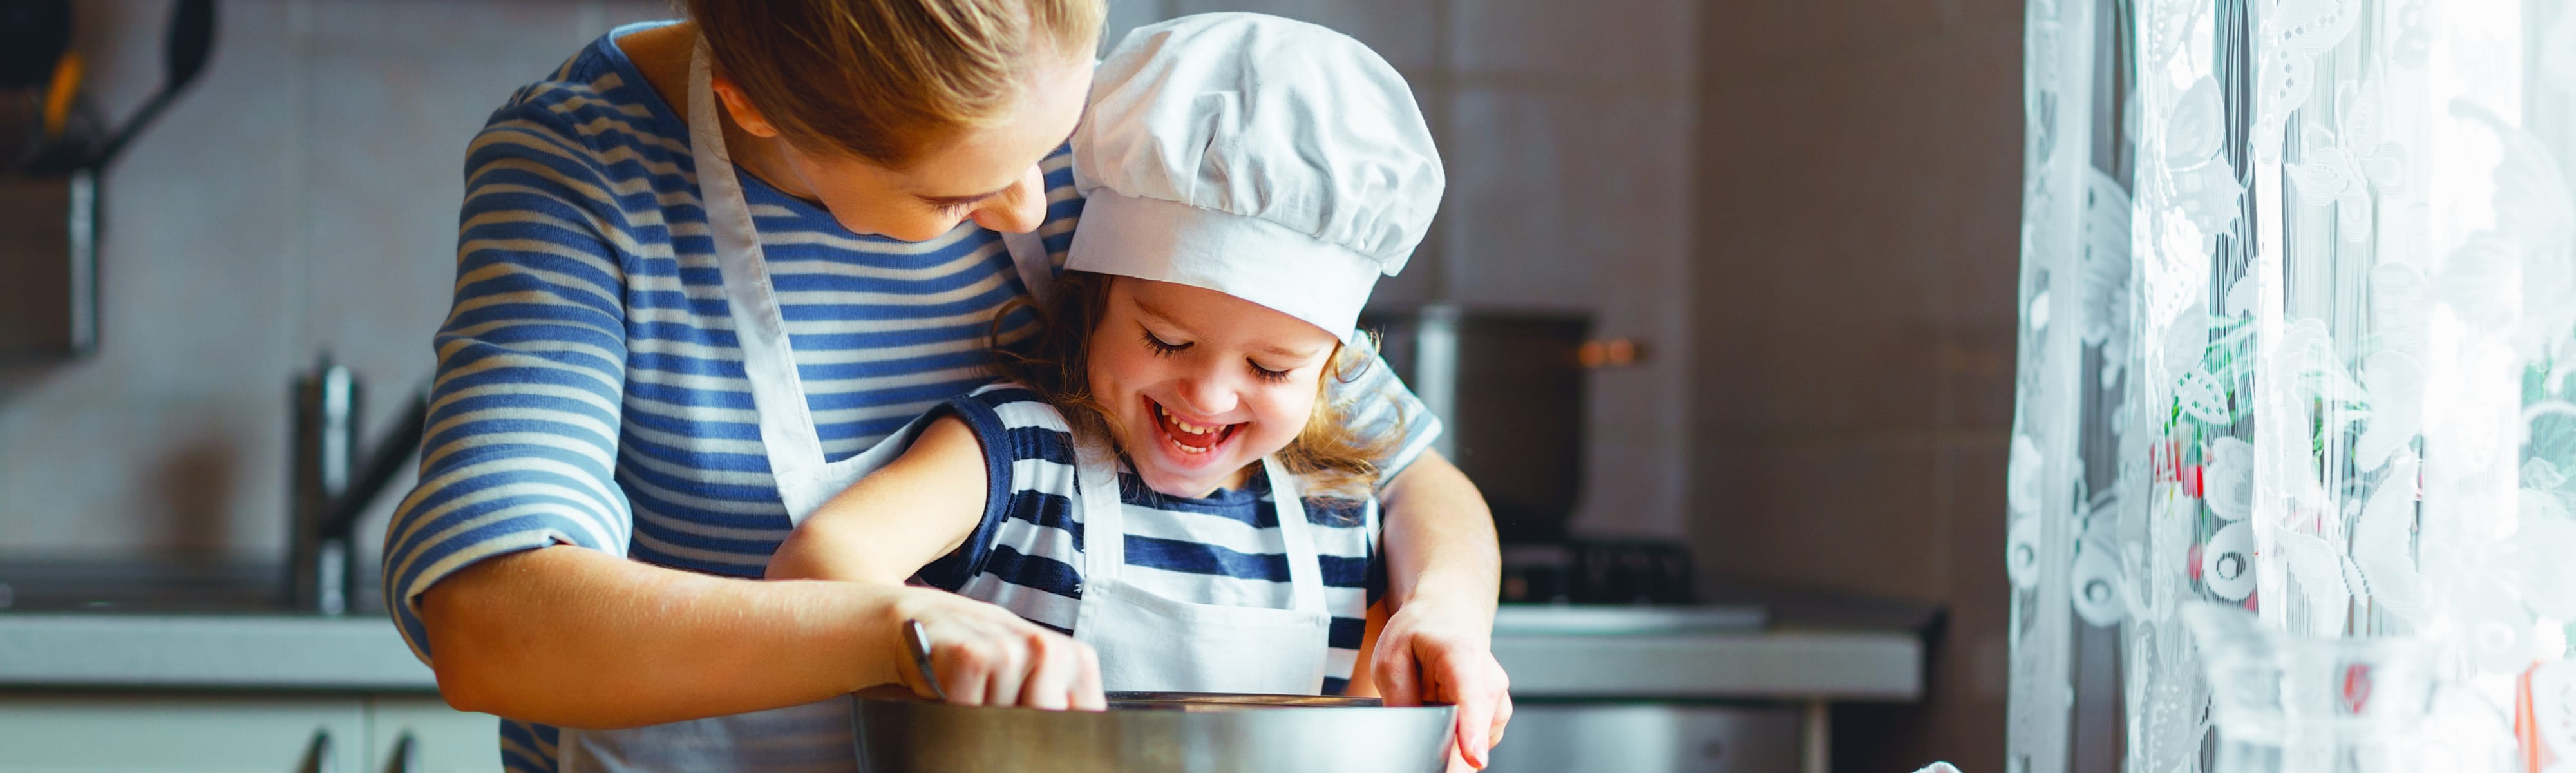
(589, 391)
(1225, 548)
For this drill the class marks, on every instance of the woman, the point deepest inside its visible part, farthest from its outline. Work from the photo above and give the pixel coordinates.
(646, 362)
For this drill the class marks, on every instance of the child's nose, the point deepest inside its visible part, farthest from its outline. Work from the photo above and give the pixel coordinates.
(1207, 393)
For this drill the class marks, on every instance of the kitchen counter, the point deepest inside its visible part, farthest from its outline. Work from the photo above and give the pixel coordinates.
(1771, 665)
(209, 651)
(305, 652)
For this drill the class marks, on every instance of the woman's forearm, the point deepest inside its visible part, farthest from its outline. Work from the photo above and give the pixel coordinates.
(1440, 539)
(574, 637)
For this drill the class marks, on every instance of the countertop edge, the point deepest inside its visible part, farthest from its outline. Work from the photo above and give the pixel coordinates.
(71, 651)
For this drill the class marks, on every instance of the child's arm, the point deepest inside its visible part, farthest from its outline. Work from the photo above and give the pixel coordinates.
(919, 507)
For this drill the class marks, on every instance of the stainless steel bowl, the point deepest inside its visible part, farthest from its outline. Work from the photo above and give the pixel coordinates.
(1155, 733)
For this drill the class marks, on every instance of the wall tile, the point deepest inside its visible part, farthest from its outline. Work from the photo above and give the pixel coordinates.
(1601, 42)
(1751, 31)
(1557, 193)
(1405, 32)
(1982, 281)
(1833, 513)
(613, 13)
(194, 476)
(1830, 174)
(1126, 15)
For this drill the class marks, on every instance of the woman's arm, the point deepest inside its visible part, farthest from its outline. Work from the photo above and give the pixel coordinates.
(579, 638)
(713, 645)
(1443, 576)
(1364, 684)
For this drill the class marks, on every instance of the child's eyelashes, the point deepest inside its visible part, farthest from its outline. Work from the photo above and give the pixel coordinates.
(1164, 348)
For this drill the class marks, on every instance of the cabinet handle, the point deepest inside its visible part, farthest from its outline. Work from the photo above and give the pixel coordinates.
(318, 757)
(406, 755)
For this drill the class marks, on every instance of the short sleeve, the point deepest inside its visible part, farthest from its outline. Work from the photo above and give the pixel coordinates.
(521, 443)
(1378, 403)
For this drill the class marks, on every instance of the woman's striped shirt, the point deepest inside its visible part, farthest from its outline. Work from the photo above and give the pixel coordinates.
(589, 390)
(1224, 548)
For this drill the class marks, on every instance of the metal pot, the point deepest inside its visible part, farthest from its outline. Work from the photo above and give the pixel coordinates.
(1154, 733)
(1510, 386)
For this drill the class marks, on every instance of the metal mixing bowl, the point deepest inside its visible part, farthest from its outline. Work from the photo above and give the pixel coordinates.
(1155, 733)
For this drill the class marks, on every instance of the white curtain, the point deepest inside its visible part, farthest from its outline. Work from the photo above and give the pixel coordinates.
(2298, 331)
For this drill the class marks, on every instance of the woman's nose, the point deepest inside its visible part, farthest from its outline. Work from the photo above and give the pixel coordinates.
(1019, 209)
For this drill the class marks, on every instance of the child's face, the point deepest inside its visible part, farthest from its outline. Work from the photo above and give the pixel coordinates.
(1199, 384)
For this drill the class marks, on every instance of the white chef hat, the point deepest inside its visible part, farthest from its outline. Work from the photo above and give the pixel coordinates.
(1269, 159)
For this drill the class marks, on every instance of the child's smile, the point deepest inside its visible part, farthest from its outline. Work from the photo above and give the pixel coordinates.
(1189, 437)
(1200, 384)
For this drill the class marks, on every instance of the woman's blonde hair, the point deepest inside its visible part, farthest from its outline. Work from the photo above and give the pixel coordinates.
(1334, 459)
(886, 79)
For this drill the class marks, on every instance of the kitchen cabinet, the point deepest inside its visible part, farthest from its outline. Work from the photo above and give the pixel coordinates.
(152, 732)
(443, 740)
(1650, 738)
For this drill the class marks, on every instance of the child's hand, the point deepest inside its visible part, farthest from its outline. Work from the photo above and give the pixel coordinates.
(1422, 657)
(987, 656)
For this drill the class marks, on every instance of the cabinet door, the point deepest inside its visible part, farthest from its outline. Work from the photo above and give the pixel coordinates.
(153, 733)
(443, 740)
(1648, 738)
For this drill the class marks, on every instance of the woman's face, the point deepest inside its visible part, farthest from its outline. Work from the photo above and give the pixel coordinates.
(1199, 384)
(987, 174)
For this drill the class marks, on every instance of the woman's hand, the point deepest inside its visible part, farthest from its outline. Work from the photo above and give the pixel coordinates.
(987, 656)
(1442, 653)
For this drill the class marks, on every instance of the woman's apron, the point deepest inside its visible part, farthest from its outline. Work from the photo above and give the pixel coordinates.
(1146, 642)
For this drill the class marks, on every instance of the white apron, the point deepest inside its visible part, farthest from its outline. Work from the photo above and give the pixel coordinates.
(814, 736)
(1152, 643)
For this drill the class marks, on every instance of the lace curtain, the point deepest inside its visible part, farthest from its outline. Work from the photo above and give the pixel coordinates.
(2298, 331)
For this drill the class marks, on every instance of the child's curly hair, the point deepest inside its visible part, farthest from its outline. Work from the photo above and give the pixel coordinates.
(1334, 459)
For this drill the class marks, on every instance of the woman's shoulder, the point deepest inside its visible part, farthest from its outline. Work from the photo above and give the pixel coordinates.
(596, 100)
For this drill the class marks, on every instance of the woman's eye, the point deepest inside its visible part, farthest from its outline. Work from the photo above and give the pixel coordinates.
(1162, 347)
(1266, 374)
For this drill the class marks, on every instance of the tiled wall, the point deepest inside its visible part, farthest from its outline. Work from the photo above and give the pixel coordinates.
(1857, 257)
(302, 198)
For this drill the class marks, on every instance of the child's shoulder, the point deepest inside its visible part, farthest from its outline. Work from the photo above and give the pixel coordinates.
(1008, 405)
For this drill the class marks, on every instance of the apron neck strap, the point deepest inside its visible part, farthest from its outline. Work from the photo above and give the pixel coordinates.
(1104, 524)
(760, 329)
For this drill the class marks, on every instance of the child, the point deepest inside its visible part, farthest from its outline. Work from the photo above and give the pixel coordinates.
(1157, 475)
